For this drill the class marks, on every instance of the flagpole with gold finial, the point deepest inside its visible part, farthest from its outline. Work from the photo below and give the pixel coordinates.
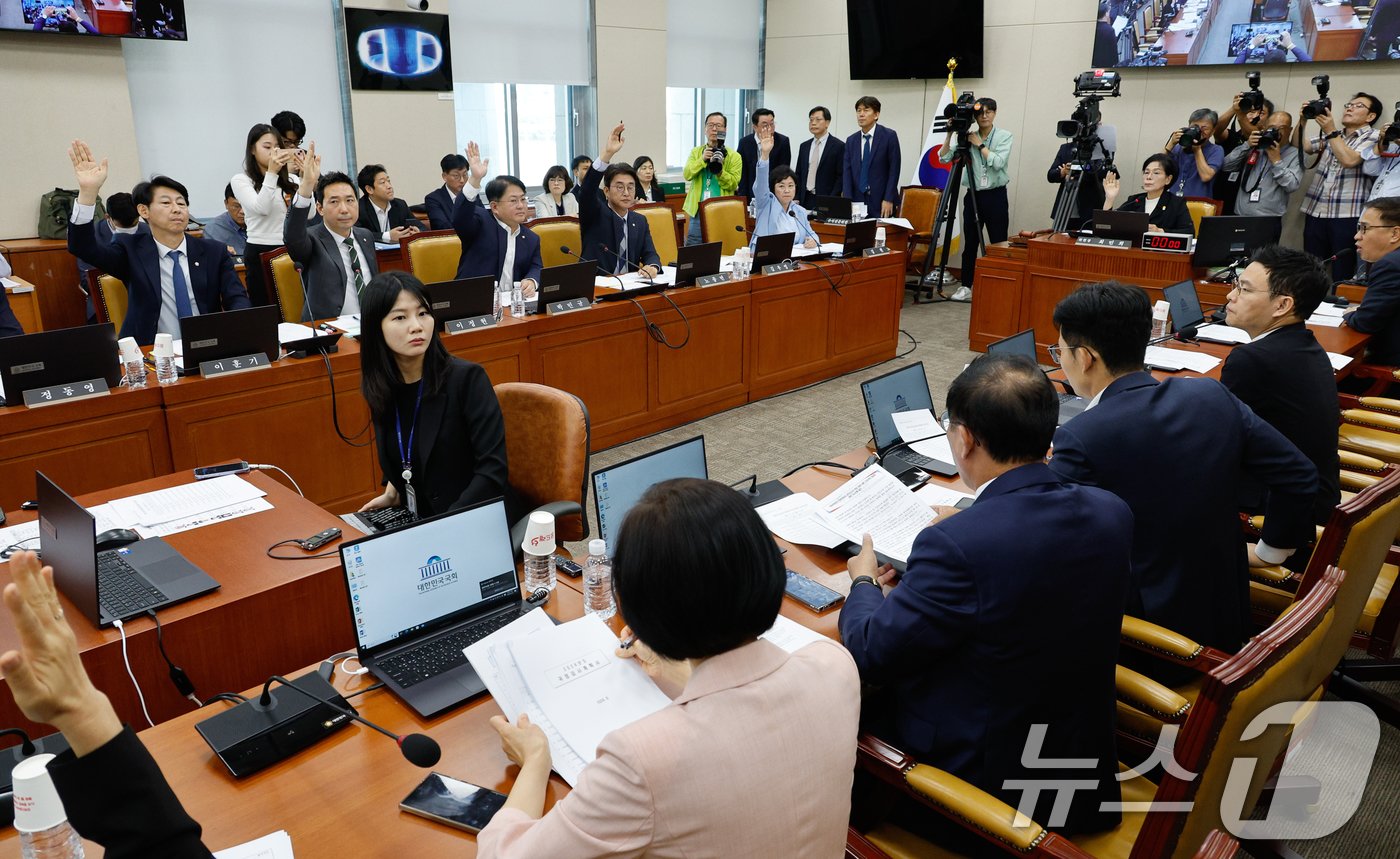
(952, 67)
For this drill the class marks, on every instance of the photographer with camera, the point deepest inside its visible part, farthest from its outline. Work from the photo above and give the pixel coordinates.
(712, 171)
(990, 158)
(1268, 168)
(1250, 109)
(1383, 161)
(1339, 188)
(1272, 48)
(1197, 158)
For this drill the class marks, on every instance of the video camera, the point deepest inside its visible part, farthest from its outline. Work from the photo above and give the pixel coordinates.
(1254, 98)
(962, 115)
(1082, 127)
(1322, 104)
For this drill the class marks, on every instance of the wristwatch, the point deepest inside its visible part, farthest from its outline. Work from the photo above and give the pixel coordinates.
(1337, 133)
(859, 579)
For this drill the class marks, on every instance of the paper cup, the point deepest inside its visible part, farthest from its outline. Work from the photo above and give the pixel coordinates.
(37, 806)
(164, 346)
(539, 534)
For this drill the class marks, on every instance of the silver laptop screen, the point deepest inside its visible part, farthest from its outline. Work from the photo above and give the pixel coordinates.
(904, 390)
(402, 581)
(618, 489)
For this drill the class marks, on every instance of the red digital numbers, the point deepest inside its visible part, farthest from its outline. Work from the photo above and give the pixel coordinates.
(1163, 243)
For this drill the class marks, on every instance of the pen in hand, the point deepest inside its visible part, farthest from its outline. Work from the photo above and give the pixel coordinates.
(628, 642)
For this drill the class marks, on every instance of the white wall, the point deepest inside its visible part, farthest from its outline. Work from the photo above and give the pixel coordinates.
(1034, 50)
(631, 52)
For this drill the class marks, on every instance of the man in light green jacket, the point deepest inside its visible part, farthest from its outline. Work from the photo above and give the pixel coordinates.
(712, 170)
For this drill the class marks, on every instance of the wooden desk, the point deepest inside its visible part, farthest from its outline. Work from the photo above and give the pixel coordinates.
(267, 617)
(1339, 39)
(47, 264)
(25, 305)
(340, 797)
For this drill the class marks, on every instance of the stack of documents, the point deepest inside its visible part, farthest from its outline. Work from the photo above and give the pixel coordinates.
(1223, 334)
(349, 324)
(1171, 360)
(1329, 315)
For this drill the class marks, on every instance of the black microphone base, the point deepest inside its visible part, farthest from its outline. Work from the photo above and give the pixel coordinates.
(251, 737)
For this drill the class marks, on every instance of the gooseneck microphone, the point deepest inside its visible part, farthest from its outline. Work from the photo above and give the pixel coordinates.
(420, 749)
(565, 249)
(631, 265)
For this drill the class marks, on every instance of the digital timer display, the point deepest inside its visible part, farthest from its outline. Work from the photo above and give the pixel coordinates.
(1171, 242)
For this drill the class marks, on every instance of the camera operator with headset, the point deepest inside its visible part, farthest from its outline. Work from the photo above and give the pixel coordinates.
(1250, 109)
(991, 158)
(1383, 161)
(1197, 158)
(1339, 188)
(1269, 169)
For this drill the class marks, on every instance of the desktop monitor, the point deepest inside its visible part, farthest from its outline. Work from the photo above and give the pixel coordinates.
(619, 488)
(1225, 239)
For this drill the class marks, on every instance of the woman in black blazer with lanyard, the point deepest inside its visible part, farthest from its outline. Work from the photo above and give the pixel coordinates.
(1167, 213)
(441, 438)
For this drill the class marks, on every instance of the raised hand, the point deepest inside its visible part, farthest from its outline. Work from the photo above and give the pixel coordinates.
(1111, 186)
(476, 165)
(765, 144)
(88, 171)
(614, 143)
(310, 169)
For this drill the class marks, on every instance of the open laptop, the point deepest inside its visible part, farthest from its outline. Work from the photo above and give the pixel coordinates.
(696, 261)
(832, 210)
(48, 358)
(1224, 239)
(1023, 343)
(211, 336)
(902, 390)
(451, 300)
(563, 282)
(617, 490)
(771, 250)
(116, 584)
(1186, 314)
(421, 594)
(1113, 224)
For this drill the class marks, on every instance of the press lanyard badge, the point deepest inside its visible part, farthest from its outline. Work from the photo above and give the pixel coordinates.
(406, 453)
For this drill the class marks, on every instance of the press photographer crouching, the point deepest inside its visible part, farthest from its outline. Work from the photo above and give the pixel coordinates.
(1197, 159)
(1269, 168)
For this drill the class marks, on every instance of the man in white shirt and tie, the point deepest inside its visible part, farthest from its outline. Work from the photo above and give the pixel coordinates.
(337, 257)
(491, 227)
(820, 159)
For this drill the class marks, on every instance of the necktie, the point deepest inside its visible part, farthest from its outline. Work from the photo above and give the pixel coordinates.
(355, 265)
(814, 158)
(182, 287)
(622, 250)
(865, 166)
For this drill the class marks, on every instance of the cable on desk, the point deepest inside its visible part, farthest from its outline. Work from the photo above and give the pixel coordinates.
(129, 673)
(263, 466)
(297, 557)
(233, 697)
(349, 695)
(820, 269)
(822, 463)
(182, 681)
(335, 412)
(15, 547)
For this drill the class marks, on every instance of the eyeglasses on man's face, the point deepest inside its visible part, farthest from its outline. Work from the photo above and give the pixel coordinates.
(1057, 350)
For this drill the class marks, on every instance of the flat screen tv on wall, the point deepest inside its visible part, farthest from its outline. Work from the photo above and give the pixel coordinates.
(124, 19)
(913, 39)
(398, 50)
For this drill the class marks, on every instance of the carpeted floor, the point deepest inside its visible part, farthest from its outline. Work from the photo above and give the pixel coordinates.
(783, 432)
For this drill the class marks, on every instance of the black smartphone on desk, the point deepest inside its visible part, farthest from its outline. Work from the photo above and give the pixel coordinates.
(817, 597)
(455, 803)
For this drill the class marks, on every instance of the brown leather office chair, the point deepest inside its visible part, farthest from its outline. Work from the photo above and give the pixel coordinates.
(432, 256)
(723, 219)
(1279, 666)
(661, 220)
(554, 233)
(109, 298)
(919, 206)
(1370, 432)
(1203, 207)
(547, 441)
(286, 284)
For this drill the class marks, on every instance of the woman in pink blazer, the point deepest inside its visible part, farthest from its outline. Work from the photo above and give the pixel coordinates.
(756, 754)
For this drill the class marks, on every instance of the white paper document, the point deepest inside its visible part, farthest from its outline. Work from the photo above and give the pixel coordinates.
(496, 666)
(184, 501)
(896, 222)
(825, 248)
(586, 690)
(1338, 361)
(797, 518)
(15, 286)
(938, 448)
(26, 536)
(290, 332)
(1171, 360)
(349, 324)
(916, 424)
(938, 495)
(630, 281)
(1324, 319)
(208, 517)
(278, 845)
(874, 502)
(1223, 334)
(1327, 308)
(791, 635)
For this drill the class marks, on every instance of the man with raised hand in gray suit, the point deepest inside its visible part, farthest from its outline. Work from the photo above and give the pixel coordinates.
(337, 257)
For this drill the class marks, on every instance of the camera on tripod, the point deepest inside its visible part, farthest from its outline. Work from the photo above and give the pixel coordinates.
(1253, 99)
(1322, 104)
(962, 115)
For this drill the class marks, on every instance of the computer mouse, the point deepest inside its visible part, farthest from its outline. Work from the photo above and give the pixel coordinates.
(116, 538)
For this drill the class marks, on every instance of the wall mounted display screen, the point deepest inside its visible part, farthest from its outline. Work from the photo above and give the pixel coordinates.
(127, 19)
(912, 39)
(398, 50)
(1212, 32)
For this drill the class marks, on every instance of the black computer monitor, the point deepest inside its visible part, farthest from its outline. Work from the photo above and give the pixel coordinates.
(212, 336)
(1223, 239)
(772, 249)
(696, 261)
(860, 237)
(564, 282)
(48, 358)
(619, 488)
(1124, 226)
(450, 300)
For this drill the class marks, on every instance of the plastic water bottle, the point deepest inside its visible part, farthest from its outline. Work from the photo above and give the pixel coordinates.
(133, 367)
(164, 353)
(879, 237)
(597, 581)
(743, 263)
(539, 552)
(517, 301)
(40, 819)
(497, 307)
(1160, 324)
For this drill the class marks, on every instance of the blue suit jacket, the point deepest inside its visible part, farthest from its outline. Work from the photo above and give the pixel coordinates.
(1379, 312)
(884, 170)
(601, 229)
(1176, 451)
(484, 245)
(971, 644)
(133, 259)
(440, 206)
